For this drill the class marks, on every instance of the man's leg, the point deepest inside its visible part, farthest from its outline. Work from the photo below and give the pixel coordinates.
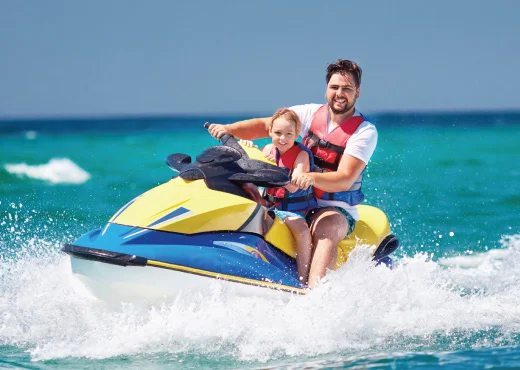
(328, 228)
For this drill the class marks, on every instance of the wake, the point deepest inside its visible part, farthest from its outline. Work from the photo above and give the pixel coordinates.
(452, 303)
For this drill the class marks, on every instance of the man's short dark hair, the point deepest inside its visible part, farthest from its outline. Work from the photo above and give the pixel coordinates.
(344, 66)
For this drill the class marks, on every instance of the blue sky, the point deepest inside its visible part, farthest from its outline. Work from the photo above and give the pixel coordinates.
(92, 58)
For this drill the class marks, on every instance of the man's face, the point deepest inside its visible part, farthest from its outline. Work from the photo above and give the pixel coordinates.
(341, 93)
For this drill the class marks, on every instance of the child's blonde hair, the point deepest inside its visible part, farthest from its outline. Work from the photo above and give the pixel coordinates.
(289, 115)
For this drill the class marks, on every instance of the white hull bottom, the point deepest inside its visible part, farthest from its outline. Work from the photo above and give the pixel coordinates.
(112, 283)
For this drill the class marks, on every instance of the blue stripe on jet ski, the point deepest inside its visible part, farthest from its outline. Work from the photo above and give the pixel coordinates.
(179, 211)
(225, 252)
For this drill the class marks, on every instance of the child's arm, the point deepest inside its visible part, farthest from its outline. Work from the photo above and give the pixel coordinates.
(269, 152)
(301, 165)
(266, 150)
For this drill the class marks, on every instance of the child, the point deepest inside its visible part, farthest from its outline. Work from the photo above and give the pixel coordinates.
(291, 203)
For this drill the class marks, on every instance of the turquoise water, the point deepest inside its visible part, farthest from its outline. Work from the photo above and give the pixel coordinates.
(450, 184)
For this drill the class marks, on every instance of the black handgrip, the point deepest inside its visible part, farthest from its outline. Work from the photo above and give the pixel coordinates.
(230, 141)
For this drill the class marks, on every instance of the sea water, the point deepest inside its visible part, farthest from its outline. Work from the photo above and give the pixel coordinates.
(449, 183)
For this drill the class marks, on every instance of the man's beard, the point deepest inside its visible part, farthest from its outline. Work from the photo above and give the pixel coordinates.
(347, 107)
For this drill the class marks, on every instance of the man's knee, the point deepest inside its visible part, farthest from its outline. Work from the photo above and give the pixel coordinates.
(330, 225)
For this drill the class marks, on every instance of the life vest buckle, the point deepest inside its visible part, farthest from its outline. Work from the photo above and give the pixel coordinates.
(323, 144)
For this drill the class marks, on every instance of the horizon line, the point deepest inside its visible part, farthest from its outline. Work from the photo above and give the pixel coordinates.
(144, 116)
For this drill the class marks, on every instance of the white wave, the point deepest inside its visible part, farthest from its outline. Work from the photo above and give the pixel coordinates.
(57, 171)
(31, 135)
(360, 308)
(510, 243)
(488, 272)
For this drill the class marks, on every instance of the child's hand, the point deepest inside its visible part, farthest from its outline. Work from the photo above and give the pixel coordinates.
(268, 153)
(248, 143)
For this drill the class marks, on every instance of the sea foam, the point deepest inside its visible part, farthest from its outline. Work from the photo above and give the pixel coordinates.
(421, 303)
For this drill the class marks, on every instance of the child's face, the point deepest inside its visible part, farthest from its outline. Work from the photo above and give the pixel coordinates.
(283, 133)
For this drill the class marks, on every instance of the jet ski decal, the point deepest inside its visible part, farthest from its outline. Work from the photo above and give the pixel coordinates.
(181, 211)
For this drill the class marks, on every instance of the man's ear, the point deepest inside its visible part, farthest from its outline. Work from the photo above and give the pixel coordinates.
(358, 90)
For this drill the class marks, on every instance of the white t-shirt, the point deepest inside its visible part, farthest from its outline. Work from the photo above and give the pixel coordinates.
(360, 145)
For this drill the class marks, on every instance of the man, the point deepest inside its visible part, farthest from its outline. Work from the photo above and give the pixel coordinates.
(342, 142)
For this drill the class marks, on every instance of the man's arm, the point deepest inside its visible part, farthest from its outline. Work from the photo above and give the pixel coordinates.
(349, 169)
(250, 129)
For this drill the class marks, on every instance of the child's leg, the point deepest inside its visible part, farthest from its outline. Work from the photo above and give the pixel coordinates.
(302, 236)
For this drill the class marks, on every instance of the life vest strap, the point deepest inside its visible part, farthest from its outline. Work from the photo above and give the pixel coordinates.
(325, 144)
(304, 198)
(321, 166)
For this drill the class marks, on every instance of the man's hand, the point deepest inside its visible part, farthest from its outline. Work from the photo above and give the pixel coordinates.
(217, 130)
(303, 180)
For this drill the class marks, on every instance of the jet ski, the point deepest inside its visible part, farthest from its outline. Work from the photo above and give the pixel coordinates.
(207, 223)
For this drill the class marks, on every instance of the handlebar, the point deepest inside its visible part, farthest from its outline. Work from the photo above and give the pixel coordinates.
(230, 141)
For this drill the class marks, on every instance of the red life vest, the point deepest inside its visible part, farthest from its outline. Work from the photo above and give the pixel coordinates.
(328, 149)
(281, 198)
